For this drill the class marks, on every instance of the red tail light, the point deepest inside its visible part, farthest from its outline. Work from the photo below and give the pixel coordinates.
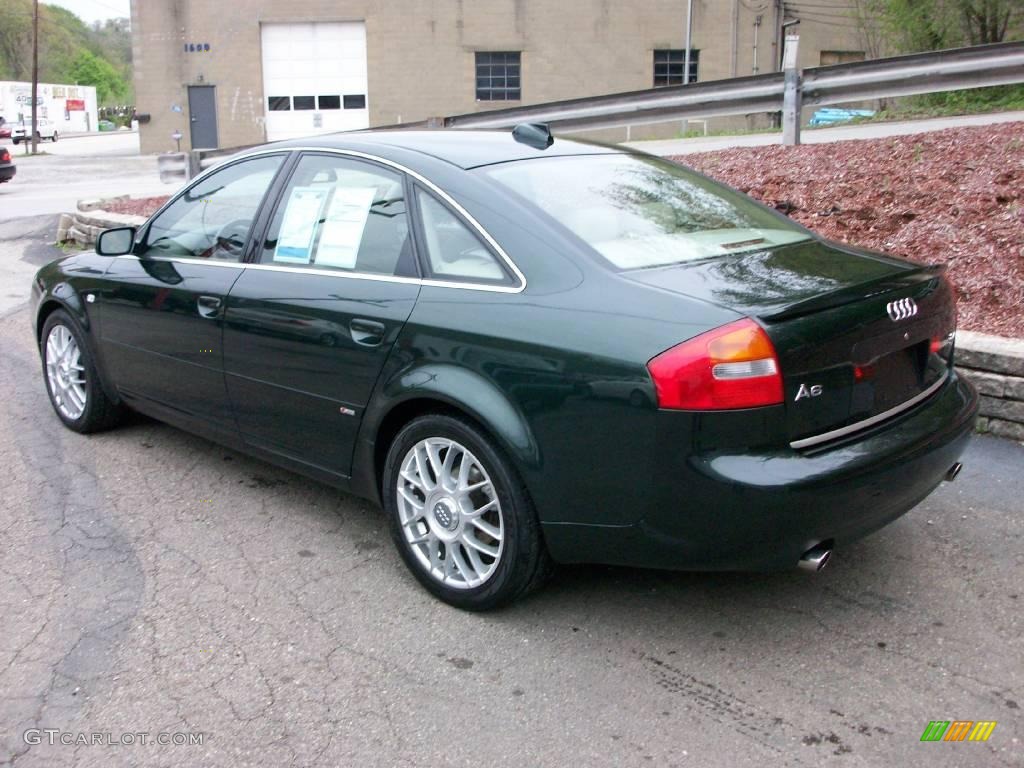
(5, 156)
(734, 366)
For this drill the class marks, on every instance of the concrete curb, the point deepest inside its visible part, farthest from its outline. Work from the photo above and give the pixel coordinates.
(84, 225)
(995, 365)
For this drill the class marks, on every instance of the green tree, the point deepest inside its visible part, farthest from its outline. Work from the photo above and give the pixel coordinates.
(929, 25)
(63, 41)
(88, 69)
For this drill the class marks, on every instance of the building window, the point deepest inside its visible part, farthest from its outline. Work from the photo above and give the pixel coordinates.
(669, 65)
(58, 92)
(279, 103)
(497, 76)
(330, 102)
(303, 102)
(354, 101)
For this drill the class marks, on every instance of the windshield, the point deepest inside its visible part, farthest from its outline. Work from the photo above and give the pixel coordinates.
(644, 212)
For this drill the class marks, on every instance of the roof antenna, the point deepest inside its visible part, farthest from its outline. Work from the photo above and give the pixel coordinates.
(536, 135)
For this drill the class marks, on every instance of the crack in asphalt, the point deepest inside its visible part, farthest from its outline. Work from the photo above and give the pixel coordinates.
(97, 586)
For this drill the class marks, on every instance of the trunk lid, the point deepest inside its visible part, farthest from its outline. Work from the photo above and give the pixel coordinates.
(858, 335)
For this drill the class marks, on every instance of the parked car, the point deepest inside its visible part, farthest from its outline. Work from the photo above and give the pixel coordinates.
(5, 129)
(45, 129)
(7, 166)
(540, 350)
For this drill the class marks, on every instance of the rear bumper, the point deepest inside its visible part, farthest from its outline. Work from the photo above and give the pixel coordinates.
(7, 172)
(760, 510)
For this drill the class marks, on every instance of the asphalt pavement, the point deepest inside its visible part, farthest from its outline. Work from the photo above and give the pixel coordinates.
(75, 168)
(154, 583)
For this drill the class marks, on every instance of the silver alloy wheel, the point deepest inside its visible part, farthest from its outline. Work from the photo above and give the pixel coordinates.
(450, 513)
(65, 372)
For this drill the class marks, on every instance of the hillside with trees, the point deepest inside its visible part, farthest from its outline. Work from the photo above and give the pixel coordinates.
(910, 26)
(70, 51)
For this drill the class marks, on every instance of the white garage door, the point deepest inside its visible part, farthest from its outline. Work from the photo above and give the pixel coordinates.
(314, 78)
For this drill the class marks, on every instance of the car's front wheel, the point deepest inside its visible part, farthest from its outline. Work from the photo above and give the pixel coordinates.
(54, 137)
(460, 516)
(71, 380)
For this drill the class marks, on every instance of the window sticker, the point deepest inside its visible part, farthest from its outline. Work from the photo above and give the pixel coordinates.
(343, 226)
(299, 225)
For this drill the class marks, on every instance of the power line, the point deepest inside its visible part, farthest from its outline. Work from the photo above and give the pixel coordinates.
(823, 5)
(827, 22)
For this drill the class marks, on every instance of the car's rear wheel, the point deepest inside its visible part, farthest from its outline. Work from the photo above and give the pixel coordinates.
(71, 380)
(460, 516)
(15, 141)
(54, 137)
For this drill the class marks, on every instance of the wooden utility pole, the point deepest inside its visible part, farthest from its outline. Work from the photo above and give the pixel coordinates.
(35, 70)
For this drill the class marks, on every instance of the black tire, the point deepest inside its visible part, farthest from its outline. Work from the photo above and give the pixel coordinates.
(524, 563)
(54, 137)
(100, 412)
(15, 141)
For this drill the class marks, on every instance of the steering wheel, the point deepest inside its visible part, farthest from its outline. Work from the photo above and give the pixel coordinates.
(229, 241)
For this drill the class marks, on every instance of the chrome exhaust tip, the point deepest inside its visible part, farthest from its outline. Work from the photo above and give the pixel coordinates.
(815, 558)
(953, 471)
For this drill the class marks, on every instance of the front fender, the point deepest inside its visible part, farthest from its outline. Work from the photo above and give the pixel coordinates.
(61, 295)
(457, 387)
(61, 285)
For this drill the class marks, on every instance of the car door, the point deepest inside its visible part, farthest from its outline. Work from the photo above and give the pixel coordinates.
(162, 308)
(309, 327)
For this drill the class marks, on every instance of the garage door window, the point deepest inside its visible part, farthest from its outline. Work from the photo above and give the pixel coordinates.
(338, 213)
(330, 102)
(304, 102)
(279, 103)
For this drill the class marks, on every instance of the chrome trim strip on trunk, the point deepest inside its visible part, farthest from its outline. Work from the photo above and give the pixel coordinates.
(825, 437)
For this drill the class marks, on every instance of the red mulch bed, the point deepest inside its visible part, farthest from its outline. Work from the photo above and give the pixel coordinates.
(139, 206)
(953, 197)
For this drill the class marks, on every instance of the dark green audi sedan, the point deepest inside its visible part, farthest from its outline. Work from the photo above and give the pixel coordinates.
(527, 351)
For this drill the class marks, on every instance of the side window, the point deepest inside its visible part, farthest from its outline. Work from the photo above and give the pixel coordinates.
(340, 213)
(212, 219)
(453, 250)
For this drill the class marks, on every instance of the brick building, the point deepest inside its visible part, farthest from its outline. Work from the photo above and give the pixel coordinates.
(248, 71)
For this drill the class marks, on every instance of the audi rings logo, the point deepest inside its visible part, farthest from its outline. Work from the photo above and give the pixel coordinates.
(901, 309)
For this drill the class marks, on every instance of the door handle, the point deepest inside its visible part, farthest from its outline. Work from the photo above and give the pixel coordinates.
(369, 333)
(208, 306)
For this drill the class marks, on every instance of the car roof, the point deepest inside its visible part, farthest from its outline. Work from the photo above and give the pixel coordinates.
(466, 149)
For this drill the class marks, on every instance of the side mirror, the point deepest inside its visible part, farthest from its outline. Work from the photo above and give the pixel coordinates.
(116, 242)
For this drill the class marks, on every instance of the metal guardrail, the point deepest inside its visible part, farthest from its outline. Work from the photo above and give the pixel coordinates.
(955, 69)
(178, 167)
(173, 167)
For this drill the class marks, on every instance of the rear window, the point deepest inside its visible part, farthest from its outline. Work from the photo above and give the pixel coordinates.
(644, 212)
